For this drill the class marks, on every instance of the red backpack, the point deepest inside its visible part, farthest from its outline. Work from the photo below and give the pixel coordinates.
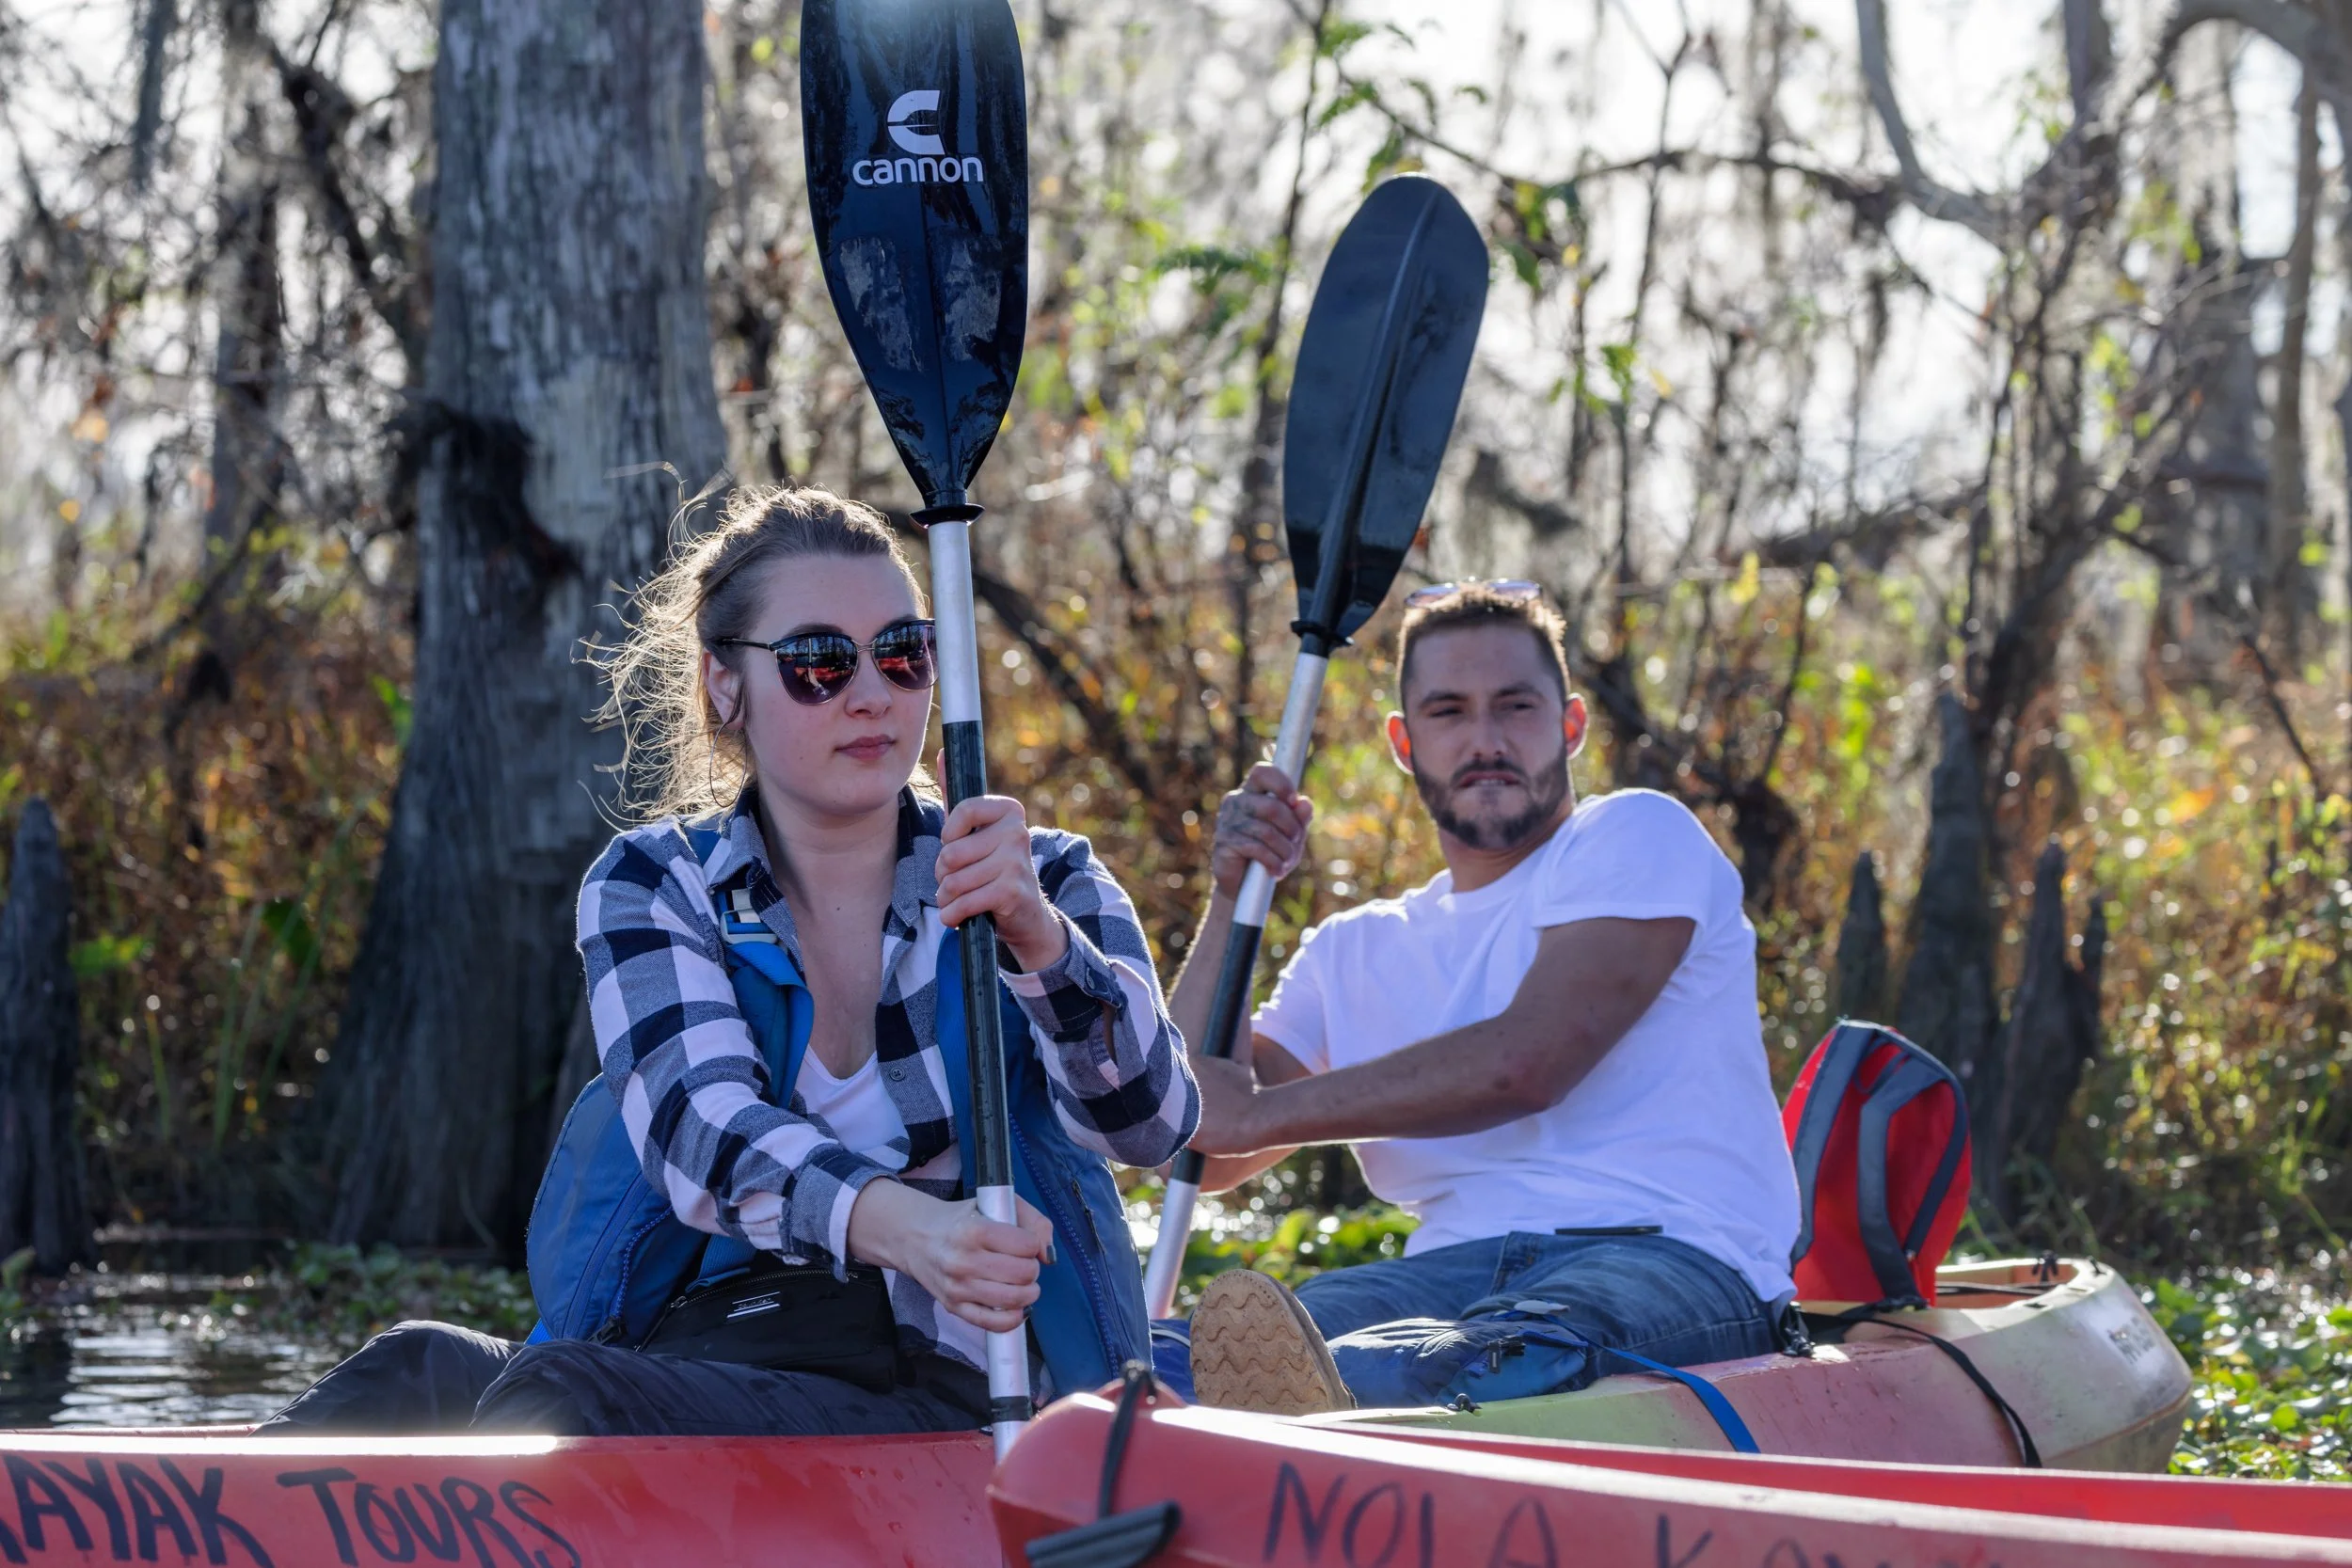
(1879, 1132)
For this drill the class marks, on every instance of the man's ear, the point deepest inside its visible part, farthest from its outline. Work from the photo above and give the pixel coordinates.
(1574, 722)
(1400, 742)
(725, 687)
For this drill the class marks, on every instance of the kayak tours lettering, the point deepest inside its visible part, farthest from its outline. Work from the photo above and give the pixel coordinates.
(930, 160)
(137, 1512)
(396, 1522)
(151, 1511)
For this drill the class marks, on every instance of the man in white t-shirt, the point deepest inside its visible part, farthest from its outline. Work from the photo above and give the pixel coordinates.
(1550, 1054)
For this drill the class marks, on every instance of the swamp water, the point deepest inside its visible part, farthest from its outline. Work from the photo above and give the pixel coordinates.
(152, 1351)
(171, 1333)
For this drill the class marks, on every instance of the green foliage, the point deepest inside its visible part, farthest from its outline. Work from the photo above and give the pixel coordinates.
(343, 1295)
(1353, 97)
(102, 954)
(396, 706)
(1210, 265)
(2213, 1133)
(1297, 1246)
(221, 847)
(2273, 1379)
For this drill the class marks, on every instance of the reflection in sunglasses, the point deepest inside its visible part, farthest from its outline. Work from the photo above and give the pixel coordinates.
(817, 666)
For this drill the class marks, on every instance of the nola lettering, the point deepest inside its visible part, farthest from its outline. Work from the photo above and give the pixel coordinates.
(916, 171)
(1387, 1526)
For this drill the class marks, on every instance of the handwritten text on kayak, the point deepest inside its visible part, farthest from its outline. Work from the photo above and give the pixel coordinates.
(147, 1511)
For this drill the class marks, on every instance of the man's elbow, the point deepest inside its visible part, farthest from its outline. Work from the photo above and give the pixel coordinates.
(1531, 1087)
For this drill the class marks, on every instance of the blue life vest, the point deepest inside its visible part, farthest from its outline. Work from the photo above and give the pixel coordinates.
(607, 1252)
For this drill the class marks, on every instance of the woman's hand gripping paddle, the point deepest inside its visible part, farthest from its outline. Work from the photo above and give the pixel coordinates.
(915, 121)
(1380, 370)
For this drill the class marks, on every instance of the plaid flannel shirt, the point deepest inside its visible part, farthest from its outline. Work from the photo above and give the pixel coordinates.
(694, 1089)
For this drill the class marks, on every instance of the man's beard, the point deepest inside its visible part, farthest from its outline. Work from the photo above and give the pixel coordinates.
(1544, 795)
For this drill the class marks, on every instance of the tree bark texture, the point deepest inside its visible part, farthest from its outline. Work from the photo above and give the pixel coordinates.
(248, 342)
(1948, 999)
(2294, 589)
(569, 347)
(41, 1201)
(2052, 1032)
(2219, 527)
(1862, 946)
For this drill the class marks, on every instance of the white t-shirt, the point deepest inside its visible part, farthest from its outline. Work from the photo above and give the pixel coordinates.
(1676, 1127)
(859, 1110)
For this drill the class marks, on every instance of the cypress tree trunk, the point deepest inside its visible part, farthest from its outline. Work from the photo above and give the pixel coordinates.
(2214, 509)
(248, 349)
(569, 344)
(41, 1202)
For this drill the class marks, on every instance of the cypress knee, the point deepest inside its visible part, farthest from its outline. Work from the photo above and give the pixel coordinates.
(1862, 946)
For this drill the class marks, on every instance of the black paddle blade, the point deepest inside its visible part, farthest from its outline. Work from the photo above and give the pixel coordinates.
(1380, 372)
(915, 121)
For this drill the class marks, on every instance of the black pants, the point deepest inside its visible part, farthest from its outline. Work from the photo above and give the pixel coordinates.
(427, 1377)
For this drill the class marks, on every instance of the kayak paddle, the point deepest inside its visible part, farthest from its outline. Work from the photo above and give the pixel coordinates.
(1380, 370)
(915, 121)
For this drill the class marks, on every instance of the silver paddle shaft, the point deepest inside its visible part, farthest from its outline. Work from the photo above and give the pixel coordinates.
(1231, 1002)
(1290, 743)
(967, 775)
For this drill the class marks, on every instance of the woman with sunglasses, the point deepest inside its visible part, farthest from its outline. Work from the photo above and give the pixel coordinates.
(803, 1257)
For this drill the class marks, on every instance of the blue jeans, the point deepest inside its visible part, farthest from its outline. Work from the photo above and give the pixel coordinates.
(1651, 1296)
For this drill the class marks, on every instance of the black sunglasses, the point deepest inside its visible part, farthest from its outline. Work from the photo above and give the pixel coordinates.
(819, 666)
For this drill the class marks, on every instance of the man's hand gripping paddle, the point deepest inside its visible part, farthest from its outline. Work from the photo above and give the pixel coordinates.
(914, 120)
(1380, 370)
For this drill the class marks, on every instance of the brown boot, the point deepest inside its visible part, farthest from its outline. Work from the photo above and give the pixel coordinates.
(1254, 1348)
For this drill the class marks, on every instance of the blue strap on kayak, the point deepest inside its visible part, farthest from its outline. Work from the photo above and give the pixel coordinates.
(1742, 1440)
(1735, 1429)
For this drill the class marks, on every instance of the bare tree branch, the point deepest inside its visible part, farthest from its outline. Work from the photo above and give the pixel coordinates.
(2090, 55)
(2323, 50)
(1083, 694)
(155, 32)
(322, 109)
(1969, 210)
(1488, 481)
(2278, 710)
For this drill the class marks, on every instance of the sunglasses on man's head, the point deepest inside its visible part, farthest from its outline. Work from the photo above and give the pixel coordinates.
(819, 666)
(1513, 589)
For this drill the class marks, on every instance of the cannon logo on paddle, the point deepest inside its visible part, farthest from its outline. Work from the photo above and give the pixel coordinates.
(914, 127)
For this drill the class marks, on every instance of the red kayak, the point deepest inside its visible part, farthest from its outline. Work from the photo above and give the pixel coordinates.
(1251, 1490)
(1261, 1491)
(2077, 1356)
(230, 1499)
(2288, 1508)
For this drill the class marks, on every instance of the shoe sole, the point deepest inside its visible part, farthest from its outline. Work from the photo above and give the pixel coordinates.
(1254, 1348)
